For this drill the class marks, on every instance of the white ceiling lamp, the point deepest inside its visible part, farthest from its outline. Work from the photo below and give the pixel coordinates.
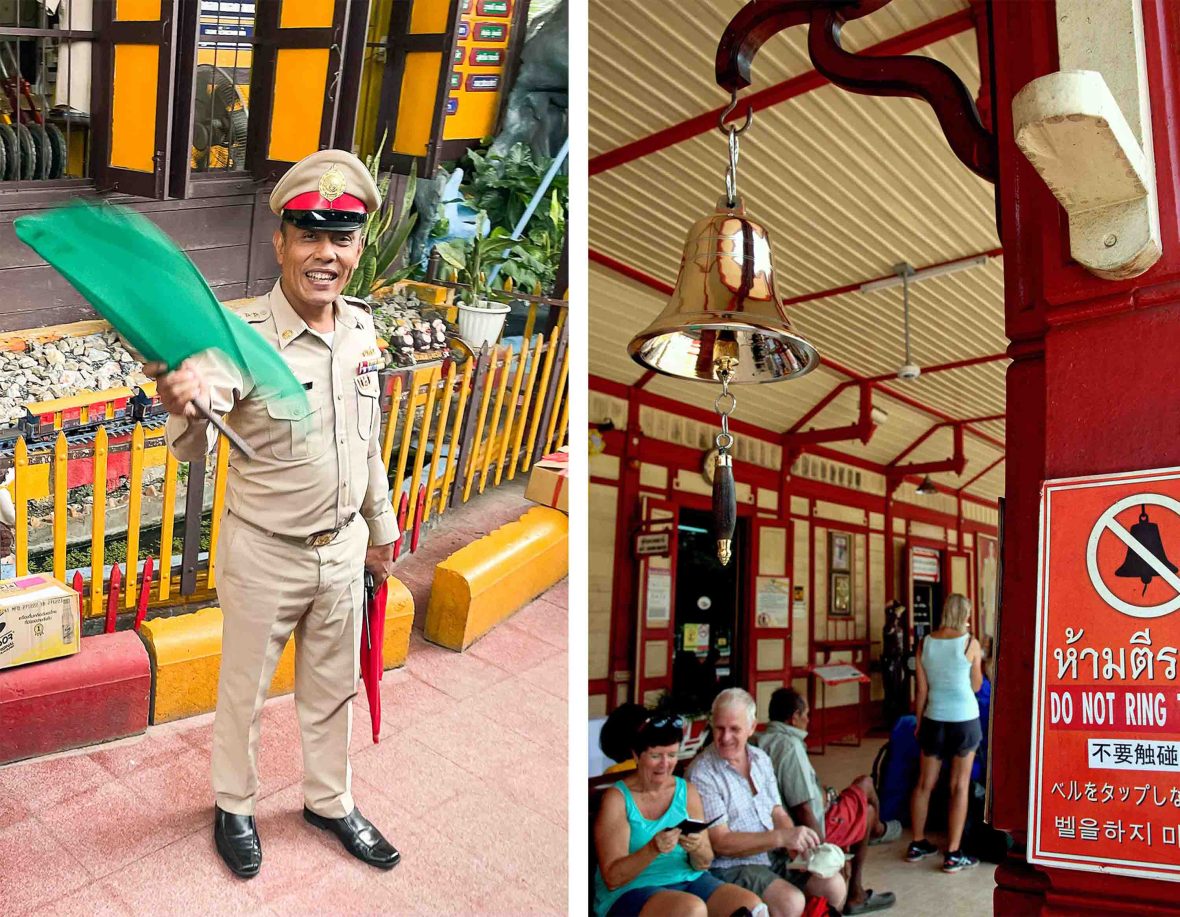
(909, 369)
(925, 274)
(905, 274)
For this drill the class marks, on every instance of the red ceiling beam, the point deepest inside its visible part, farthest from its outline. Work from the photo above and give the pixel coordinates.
(904, 43)
(915, 444)
(659, 402)
(672, 406)
(820, 405)
(629, 272)
(645, 378)
(982, 473)
(934, 429)
(862, 429)
(956, 463)
(853, 287)
(943, 367)
(913, 403)
(647, 280)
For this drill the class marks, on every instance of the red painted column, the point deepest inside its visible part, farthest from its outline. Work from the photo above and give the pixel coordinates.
(627, 521)
(1088, 392)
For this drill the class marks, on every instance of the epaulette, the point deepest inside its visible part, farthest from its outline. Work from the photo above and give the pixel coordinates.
(358, 302)
(255, 314)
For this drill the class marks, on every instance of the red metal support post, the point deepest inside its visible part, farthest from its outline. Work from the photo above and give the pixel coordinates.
(1071, 420)
(418, 518)
(145, 589)
(113, 598)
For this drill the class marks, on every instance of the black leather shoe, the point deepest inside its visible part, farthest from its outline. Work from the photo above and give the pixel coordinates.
(237, 842)
(359, 837)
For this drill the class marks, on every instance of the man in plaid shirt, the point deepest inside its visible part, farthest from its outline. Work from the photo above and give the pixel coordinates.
(755, 838)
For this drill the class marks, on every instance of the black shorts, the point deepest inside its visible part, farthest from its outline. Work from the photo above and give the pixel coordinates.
(949, 740)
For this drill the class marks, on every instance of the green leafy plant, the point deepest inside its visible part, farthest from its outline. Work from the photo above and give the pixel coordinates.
(535, 258)
(385, 239)
(501, 185)
(476, 258)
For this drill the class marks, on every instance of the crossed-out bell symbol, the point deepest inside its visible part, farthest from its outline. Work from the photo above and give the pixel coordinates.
(1134, 566)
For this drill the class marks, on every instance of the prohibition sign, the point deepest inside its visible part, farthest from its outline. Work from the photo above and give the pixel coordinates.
(1106, 522)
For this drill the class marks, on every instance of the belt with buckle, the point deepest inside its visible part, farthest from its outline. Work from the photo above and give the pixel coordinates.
(314, 540)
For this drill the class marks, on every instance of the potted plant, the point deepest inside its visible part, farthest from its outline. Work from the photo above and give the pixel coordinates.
(480, 318)
(503, 185)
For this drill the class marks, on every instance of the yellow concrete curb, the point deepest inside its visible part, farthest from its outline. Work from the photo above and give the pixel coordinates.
(487, 580)
(185, 653)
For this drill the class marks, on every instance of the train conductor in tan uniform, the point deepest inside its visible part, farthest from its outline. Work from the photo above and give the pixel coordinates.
(303, 518)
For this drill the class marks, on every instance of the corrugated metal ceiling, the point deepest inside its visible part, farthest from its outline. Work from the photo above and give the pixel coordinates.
(847, 185)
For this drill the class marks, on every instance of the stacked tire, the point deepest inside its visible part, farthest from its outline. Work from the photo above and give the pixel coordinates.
(32, 152)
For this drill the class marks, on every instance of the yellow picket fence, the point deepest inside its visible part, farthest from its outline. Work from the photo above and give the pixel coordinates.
(448, 431)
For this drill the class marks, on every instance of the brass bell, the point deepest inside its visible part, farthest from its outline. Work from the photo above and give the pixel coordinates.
(724, 312)
(1148, 535)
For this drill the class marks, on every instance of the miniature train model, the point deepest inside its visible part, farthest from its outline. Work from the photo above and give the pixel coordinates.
(40, 426)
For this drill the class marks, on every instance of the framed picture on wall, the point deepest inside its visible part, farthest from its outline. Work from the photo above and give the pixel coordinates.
(841, 594)
(839, 552)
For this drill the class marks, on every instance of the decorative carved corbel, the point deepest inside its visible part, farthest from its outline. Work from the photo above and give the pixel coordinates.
(908, 76)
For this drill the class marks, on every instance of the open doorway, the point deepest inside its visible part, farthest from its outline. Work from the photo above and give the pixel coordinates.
(708, 596)
(927, 609)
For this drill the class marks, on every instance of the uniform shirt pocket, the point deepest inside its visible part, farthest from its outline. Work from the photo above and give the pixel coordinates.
(295, 429)
(367, 409)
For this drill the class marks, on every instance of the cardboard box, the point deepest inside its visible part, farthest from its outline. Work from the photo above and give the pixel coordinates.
(39, 619)
(549, 481)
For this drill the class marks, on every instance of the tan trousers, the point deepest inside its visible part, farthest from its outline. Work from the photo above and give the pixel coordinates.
(268, 588)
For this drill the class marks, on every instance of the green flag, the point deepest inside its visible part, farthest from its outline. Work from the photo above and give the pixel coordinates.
(152, 294)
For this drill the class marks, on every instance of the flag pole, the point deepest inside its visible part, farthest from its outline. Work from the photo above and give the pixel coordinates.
(222, 428)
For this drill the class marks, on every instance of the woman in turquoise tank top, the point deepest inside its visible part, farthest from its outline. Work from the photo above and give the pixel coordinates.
(647, 865)
(950, 671)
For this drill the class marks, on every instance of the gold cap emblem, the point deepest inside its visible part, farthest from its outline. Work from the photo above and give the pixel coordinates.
(332, 184)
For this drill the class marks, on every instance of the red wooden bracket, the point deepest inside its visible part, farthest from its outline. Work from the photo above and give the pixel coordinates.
(863, 429)
(907, 75)
(956, 463)
(982, 473)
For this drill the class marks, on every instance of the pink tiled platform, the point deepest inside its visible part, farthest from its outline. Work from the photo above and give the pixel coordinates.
(468, 781)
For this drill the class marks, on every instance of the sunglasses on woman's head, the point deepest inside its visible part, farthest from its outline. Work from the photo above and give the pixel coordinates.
(659, 722)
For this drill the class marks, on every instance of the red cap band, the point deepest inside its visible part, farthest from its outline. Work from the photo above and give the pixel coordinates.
(313, 200)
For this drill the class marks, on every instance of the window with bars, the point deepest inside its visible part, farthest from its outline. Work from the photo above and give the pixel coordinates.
(147, 97)
(45, 64)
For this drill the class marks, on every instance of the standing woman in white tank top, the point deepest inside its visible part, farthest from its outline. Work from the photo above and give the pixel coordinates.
(950, 671)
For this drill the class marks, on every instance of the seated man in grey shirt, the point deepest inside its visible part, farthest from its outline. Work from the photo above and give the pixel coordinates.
(850, 822)
(736, 782)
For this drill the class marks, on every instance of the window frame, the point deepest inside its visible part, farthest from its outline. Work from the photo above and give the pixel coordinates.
(18, 186)
(173, 179)
(161, 32)
(268, 40)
